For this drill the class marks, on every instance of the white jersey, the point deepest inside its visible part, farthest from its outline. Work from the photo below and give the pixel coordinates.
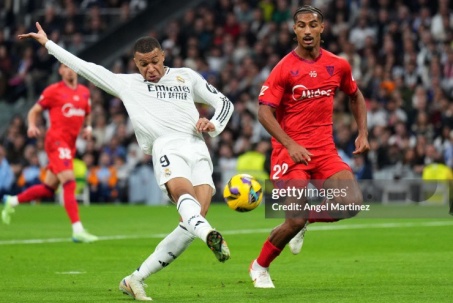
(166, 108)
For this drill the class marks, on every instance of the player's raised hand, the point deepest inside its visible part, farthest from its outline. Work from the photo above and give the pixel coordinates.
(40, 36)
(204, 125)
(361, 145)
(299, 154)
(33, 131)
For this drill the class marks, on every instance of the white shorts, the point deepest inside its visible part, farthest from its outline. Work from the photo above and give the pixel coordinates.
(182, 157)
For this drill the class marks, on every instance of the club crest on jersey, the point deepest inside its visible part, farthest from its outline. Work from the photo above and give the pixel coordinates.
(180, 79)
(330, 69)
(167, 172)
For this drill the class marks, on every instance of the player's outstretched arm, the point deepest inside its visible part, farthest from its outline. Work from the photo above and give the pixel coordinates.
(39, 36)
(98, 75)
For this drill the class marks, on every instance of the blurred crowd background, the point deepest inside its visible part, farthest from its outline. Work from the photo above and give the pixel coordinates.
(401, 54)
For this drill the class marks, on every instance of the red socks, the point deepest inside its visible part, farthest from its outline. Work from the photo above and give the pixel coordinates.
(70, 202)
(35, 192)
(268, 253)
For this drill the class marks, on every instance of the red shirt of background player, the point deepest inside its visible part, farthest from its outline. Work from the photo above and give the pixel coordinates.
(67, 109)
(302, 93)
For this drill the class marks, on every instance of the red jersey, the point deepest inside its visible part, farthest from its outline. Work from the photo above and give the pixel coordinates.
(67, 110)
(302, 93)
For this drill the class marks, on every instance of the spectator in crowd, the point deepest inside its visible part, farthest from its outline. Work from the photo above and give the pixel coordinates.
(103, 180)
(252, 161)
(418, 68)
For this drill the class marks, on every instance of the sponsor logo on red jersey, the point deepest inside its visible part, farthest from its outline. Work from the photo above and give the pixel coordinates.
(69, 110)
(301, 92)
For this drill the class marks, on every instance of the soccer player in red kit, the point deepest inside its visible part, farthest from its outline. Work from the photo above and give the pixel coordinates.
(296, 108)
(68, 104)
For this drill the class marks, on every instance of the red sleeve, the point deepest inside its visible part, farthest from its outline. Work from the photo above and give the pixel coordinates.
(273, 88)
(45, 100)
(348, 84)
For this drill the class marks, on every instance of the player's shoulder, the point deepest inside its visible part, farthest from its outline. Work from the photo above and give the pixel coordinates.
(84, 88)
(183, 74)
(329, 56)
(187, 71)
(54, 86)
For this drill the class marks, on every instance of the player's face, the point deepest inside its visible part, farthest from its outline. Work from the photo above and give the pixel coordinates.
(151, 65)
(308, 29)
(67, 74)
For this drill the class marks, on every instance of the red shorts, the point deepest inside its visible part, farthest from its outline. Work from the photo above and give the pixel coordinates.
(324, 164)
(60, 155)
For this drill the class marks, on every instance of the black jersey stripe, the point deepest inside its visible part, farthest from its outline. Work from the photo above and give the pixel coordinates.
(224, 114)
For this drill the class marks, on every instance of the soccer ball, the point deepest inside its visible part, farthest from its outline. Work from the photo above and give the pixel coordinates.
(243, 193)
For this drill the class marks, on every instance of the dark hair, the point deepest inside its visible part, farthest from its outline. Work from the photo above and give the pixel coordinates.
(308, 9)
(146, 45)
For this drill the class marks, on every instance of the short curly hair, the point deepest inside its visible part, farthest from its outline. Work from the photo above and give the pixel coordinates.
(308, 9)
(146, 44)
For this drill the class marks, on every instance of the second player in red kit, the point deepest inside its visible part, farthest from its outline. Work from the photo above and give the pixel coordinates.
(301, 92)
(67, 110)
(68, 105)
(296, 108)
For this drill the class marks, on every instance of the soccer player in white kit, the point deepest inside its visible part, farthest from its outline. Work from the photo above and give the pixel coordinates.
(160, 102)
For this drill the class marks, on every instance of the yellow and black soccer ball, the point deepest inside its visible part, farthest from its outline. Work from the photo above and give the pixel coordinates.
(243, 193)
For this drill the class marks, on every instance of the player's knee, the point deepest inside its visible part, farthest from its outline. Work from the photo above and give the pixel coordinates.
(355, 200)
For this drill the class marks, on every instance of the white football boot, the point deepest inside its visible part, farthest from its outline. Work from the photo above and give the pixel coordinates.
(8, 209)
(135, 288)
(295, 245)
(261, 278)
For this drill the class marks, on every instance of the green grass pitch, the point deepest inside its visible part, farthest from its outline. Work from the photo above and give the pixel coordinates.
(357, 260)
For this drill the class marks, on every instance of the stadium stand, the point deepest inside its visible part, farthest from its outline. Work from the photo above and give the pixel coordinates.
(401, 53)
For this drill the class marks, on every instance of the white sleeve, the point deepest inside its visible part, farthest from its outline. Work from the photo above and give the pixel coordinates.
(208, 94)
(98, 75)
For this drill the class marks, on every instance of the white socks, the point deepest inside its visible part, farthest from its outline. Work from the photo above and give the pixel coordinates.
(256, 266)
(166, 252)
(77, 227)
(189, 209)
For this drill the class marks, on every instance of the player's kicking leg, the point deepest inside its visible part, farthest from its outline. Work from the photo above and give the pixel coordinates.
(192, 211)
(171, 247)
